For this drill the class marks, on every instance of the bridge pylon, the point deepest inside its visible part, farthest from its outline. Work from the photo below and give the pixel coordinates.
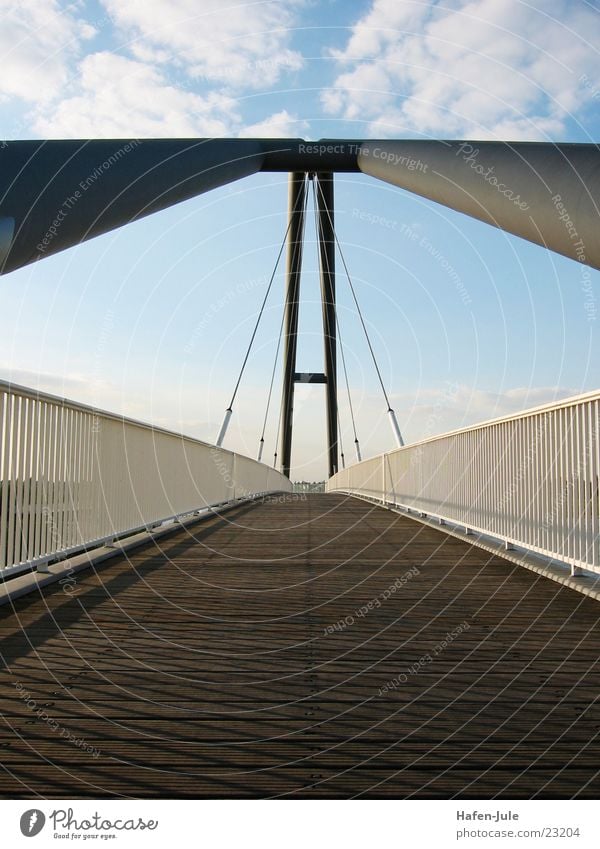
(297, 203)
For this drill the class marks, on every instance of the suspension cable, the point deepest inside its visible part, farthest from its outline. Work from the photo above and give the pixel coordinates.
(356, 442)
(342, 458)
(261, 444)
(278, 431)
(391, 413)
(339, 332)
(229, 409)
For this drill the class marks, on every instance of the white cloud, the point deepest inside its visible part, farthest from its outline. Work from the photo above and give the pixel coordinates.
(244, 44)
(173, 77)
(279, 125)
(73, 386)
(431, 411)
(119, 97)
(479, 68)
(436, 411)
(38, 41)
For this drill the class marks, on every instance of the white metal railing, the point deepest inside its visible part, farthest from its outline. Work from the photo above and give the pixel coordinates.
(530, 480)
(72, 476)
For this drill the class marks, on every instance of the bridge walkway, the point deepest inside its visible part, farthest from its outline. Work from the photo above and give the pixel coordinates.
(308, 646)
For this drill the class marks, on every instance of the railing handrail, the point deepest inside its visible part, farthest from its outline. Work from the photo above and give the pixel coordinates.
(530, 479)
(72, 474)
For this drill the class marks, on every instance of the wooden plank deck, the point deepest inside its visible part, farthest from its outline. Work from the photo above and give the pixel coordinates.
(212, 667)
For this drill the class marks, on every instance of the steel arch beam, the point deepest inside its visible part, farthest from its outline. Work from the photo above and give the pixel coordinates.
(546, 193)
(56, 194)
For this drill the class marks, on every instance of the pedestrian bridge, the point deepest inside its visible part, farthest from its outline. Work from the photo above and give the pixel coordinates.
(176, 621)
(301, 645)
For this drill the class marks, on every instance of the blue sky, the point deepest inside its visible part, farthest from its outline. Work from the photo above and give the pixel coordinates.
(152, 320)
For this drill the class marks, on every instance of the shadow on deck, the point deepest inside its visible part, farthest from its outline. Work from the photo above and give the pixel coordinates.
(316, 646)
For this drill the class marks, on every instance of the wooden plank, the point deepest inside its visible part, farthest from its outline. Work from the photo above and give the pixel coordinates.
(316, 647)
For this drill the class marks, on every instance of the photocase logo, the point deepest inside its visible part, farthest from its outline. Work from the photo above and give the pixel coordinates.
(32, 822)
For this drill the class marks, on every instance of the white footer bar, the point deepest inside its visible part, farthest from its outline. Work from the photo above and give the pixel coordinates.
(296, 824)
